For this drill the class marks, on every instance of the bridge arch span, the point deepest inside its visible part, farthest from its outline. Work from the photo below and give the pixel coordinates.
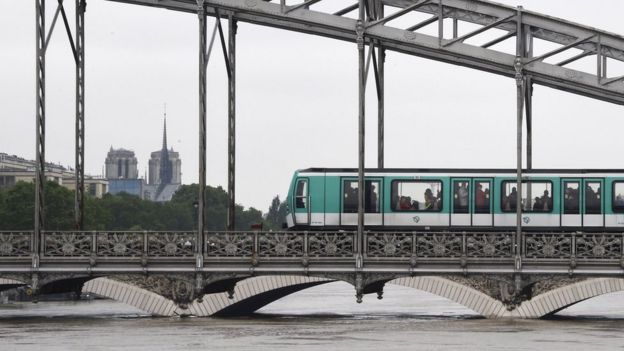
(461, 294)
(252, 294)
(555, 300)
(9, 283)
(132, 295)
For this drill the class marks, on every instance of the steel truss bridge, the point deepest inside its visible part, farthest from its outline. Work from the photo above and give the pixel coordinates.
(497, 274)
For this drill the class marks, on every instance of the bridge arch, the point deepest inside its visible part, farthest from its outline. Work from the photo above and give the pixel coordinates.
(9, 283)
(555, 300)
(461, 294)
(252, 294)
(132, 295)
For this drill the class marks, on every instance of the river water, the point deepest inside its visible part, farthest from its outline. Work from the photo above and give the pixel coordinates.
(325, 317)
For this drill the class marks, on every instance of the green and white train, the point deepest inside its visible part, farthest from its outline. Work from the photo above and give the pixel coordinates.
(480, 199)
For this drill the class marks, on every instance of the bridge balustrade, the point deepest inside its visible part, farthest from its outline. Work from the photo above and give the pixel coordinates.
(259, 246)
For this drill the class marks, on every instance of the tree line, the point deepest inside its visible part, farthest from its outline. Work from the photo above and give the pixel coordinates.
(128, 212)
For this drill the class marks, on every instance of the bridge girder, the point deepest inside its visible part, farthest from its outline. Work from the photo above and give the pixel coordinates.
(571, 36)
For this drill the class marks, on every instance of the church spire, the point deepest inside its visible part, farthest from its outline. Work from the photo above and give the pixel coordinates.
(166, 171)
(164, 146)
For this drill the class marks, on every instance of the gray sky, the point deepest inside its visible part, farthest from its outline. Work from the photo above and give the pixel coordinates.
(297, 100)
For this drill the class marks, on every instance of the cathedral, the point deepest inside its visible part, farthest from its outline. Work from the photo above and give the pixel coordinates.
(165, 172)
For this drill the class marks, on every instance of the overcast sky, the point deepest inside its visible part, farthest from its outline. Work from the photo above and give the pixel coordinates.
(297, 99)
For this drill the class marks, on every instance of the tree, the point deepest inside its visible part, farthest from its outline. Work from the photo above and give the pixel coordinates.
(276, 215)
(120, 211)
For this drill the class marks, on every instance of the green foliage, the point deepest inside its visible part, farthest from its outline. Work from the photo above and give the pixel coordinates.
(276, 215)
(120, 211)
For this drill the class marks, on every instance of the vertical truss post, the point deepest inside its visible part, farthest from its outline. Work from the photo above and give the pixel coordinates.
(80, 84)
(40, 125)
(519, 112)
(600, 70)
(381, 59)
(528, 96)
(201, 12)
(440, 22)
(232, 27)
(361, 132)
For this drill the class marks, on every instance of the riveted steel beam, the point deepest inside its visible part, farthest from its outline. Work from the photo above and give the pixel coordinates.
(359, 29)
(79, 55)
(232, 28)
(201, 215)
(40, 130)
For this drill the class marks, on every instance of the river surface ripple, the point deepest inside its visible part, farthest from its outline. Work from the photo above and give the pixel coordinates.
(324, 317)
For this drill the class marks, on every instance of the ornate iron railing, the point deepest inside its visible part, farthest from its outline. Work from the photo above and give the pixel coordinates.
(399, 245)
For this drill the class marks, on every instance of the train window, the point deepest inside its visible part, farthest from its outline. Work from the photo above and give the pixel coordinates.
(593, 198)
(536, 196)
(461, 190)
(301, 194)
(482, 197)
(618, 196)
(416, 195)
(571, 198)
(350, 196)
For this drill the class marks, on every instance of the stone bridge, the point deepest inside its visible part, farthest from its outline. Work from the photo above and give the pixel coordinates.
(166, 274)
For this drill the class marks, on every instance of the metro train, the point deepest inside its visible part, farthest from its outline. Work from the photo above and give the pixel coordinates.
(454, 199)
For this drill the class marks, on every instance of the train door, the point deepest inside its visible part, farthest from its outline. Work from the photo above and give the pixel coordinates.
(593, 204)
(460, 202)
(372, 202)
(571, 199)
(302, 202)
(482, 214)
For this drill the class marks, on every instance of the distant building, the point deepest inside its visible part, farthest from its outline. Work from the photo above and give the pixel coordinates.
(15, 169)
(121, 164)
(122, 172)
(165, 172)
(93, 186)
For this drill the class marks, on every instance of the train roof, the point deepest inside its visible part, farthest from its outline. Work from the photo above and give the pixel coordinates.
(462, 170)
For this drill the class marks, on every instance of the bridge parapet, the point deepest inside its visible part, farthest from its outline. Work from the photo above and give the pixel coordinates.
(396, 251)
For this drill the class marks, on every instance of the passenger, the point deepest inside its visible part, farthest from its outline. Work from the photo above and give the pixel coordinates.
(351, 200)
(538, 205)
(619, 201)
(438, 202)
(404, 204)
(414, 205)
(592, 201)
(462, 193)
(429, 200)
(371, 200)
(512, 199)
(546, 201)
(480, 200)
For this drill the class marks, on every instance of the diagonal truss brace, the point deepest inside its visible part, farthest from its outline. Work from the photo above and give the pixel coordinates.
(480, 12)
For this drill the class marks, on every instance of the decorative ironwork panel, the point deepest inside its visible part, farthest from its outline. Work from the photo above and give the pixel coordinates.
(492, 245)
(171, 244)
(548, 245)
(237, 244)
(599, 245)
(67, 244)
(120, 244)
(330, 244)
(15, 244)
(280, 244)
(439, 245)
(389, 244)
